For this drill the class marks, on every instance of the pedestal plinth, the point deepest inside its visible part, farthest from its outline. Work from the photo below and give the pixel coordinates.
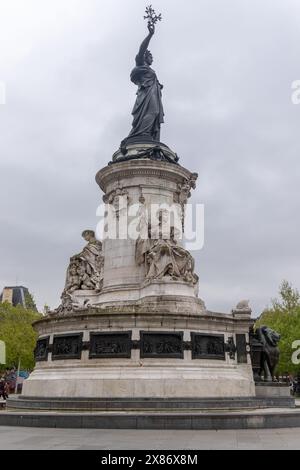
(156, 184)
(144, 333)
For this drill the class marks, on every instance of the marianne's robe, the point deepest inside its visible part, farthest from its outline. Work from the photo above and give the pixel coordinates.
(148, 113)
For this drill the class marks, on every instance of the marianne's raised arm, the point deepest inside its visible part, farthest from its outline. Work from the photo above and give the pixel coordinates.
(139, 60)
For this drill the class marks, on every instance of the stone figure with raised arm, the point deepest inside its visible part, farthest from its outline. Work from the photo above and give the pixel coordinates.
(148, 109)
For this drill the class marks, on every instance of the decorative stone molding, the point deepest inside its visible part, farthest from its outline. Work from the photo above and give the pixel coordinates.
(242, 309)
(141, 168)
(183, 193)
(113, 196)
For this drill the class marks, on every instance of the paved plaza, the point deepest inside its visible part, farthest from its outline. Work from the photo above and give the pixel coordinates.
(13, 438)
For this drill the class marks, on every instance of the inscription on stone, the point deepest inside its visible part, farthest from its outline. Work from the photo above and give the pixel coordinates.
(110, 344)
(207, 346)
(161, 344)
(67, 346)
(41, 349)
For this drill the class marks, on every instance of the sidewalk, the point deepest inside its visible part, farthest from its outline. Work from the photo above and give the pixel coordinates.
(98, 439)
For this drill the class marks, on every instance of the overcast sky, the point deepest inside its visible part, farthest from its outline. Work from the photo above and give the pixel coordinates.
(227, 69)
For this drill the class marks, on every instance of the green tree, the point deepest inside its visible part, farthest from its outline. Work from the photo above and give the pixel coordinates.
(29, 302)
(18, 334)
(284, 317)
(289, 298)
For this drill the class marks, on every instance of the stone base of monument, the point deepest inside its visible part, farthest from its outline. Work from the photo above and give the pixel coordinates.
(272, 389)
(128, 404)
(171, 416)
(132, 345)
(106, 369)
(143, 354)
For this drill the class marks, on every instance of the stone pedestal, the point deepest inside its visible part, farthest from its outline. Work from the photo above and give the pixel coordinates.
(272, 389)
(141, 335)
(196, 362)
(156, 184)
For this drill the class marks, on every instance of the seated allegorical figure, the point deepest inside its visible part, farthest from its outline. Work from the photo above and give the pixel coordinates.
(85, 271)
(161, 260)
(164, 257)
(92, 259)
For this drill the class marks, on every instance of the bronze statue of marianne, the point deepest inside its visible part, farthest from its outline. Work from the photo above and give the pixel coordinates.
(148, 110)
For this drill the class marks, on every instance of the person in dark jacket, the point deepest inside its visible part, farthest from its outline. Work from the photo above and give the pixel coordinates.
(3, 389)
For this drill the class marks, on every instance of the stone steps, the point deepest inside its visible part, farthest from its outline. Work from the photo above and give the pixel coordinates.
(147, 404)
(254, 419)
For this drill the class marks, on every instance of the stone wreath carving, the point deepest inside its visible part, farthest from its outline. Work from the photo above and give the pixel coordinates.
(184, 193)
(113, 197)
(118, 199)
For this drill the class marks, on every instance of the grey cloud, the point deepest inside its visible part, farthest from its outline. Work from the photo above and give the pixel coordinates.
(227, 68)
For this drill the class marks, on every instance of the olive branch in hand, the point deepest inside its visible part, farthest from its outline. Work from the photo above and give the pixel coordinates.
(151, 16)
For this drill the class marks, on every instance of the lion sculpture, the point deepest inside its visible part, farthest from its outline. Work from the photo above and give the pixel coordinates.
(270, 352)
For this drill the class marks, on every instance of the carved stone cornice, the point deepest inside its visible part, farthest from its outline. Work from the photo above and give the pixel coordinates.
(145, 168)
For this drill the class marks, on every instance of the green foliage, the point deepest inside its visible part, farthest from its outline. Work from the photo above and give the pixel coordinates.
(18, 334)
(289, 298)
(284, 317)
(29, 301)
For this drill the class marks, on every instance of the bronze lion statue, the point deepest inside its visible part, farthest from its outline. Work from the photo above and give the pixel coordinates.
(270, 352)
